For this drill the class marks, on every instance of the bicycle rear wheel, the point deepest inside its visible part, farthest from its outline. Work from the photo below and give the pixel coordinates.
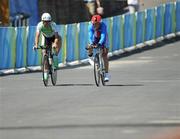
(44, 63)
(96, 70)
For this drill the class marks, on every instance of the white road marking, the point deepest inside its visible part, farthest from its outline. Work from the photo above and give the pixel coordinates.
(129, 131)
(167, 121)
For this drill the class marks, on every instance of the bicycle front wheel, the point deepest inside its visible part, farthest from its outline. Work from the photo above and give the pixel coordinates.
(96, 70)
(102, 72)
(53, 75)
(45, 69)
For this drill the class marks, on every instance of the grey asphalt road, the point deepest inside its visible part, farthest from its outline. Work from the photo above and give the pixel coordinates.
(141, 100)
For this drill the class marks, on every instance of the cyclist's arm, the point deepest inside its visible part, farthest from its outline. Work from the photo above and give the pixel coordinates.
(37, 39)
(38, 30)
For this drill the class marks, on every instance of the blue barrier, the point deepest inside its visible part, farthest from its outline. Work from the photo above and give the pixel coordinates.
(140, 27)
(123, 31)
(129, 30)
(109, 24)
(21, 47)
(83, 31)
(7, 47)
(150, 24)
(116, 33)
(33, 57)
(168, 19)
(178, 16)
(159, 21)
(71, 42)
(62, 32)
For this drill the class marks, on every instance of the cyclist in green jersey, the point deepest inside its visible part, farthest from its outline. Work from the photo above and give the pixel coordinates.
(49, 30)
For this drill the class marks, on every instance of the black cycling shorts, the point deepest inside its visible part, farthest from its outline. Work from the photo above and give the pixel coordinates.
(49, 41)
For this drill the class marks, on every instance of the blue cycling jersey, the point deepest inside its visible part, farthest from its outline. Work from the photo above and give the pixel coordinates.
(98, 36)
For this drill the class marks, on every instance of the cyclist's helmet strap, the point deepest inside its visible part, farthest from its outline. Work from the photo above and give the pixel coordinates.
(96, 19)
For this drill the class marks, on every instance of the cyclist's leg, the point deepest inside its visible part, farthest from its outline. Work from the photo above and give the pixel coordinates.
(106, 64)
(90, 50)
(58, 42)
(105, 58)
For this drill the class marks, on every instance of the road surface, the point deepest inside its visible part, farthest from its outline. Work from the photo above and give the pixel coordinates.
(141, 100)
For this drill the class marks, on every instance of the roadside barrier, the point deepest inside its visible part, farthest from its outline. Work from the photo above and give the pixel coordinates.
(124, 32)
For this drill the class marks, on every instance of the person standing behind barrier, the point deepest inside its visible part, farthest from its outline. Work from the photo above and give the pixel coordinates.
(133, 5)
(91, 6)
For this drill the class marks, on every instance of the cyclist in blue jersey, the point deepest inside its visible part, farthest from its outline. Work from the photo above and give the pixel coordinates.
(97, 32)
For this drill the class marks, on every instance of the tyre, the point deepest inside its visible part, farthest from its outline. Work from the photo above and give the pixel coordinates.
(96, 70)
(102, 79)
(102, 72)
(44, 63)
(53, 75)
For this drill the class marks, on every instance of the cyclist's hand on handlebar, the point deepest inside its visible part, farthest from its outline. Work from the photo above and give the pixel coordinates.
(89, 47)
(35, 47)
(92, 45)
(99, 45)
(54, 45)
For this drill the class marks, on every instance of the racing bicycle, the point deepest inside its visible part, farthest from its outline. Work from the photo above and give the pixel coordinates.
(47, 61)
(99, 68)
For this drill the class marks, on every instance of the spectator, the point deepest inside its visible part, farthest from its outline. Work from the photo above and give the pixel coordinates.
(133, 6)
(93, 7)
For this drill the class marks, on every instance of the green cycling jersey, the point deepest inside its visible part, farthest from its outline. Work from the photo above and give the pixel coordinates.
(48, 31)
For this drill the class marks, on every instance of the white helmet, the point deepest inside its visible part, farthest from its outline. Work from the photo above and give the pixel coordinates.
(46, 17)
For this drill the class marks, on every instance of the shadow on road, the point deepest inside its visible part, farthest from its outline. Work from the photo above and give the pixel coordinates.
(104, 125)
(75, 84)
(124, 85)
(108, 85)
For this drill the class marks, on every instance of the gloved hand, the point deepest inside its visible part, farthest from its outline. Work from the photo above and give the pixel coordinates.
(35, 47)
(54, 45)
(99, 45)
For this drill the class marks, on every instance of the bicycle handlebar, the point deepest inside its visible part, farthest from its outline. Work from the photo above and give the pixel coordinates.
(39, 47)
(93, 46)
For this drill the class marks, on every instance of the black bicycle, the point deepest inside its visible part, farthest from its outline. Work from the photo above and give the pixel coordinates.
(99, 68)
(48, 65)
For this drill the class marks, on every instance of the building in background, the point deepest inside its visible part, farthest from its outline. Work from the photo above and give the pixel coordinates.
(74, 11)
(4, 12)
(26, 12)
(23, 12)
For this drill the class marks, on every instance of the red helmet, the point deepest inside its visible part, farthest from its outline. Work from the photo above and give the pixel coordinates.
(96, 19)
